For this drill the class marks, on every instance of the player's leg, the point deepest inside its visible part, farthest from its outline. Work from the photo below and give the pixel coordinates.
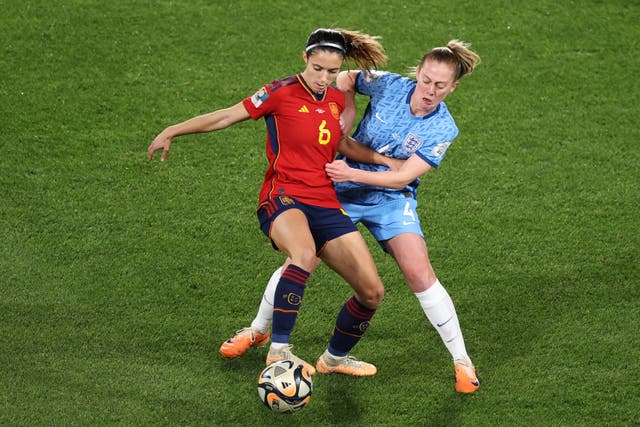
(264, 317)
(257, 335)
(290, 233)
(349, 256)
(397, 226)
(410, 252)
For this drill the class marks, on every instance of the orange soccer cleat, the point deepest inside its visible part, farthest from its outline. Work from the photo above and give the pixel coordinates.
(347, 365)
(241, 341)
(286, 354)
(466, 380)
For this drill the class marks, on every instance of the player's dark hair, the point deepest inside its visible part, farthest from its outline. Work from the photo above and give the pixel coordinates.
(363, 49)
(326, 39)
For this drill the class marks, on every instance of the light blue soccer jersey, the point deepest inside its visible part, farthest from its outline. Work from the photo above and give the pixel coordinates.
(389, 128)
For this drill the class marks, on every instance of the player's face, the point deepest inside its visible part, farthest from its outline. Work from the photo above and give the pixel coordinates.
(322, 69)
(435, 80)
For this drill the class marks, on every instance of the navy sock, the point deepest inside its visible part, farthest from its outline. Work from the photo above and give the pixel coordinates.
(288, 297)
(351, 324)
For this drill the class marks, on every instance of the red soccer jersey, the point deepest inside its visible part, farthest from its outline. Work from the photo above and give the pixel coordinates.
(303, 132)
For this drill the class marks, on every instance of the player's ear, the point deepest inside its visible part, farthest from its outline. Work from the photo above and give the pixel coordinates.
(454, 86)
(304, 56)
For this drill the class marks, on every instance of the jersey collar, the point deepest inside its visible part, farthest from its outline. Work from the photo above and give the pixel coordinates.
(316, 96)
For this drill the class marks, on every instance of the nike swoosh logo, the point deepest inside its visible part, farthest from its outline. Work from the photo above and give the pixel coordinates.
(444, 323)
(379, 118)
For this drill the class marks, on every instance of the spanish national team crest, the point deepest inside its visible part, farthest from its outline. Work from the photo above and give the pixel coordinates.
(335, 112)
(411, 143)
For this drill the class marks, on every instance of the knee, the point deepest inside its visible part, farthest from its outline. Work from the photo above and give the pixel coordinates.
(371, 297)
(419, 279)
(305, 259)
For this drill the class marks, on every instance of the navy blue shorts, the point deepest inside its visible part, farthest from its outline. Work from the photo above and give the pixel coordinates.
(325, 223)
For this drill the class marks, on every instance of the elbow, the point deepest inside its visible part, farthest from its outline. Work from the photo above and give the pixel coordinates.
(401, 183)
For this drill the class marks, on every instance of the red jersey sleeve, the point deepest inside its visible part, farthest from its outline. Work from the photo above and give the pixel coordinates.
(260, 103)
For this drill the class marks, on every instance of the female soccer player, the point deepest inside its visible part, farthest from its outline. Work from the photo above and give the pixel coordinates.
(405, 119)
(298, 206)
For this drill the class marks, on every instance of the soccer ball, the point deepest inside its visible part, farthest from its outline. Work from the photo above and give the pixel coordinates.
(284, 386)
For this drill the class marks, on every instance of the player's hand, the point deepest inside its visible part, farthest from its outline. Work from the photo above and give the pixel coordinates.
(338, 171)
(161, 142)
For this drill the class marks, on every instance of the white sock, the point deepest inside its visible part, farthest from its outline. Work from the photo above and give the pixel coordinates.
(438, 307)
(264, 317)
(278, 346)
(333, 357)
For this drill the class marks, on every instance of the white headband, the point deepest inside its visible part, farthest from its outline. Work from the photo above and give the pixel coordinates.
(325, 44)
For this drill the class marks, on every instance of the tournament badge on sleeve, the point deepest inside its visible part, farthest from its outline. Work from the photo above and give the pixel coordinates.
(259, 97)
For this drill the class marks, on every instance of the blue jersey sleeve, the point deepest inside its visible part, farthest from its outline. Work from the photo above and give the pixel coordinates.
(439, 131)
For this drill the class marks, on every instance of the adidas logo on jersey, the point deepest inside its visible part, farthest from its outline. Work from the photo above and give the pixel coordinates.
(303, 109)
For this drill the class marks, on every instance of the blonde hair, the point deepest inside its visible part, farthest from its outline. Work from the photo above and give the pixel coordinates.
(456, 53)
(365, 50)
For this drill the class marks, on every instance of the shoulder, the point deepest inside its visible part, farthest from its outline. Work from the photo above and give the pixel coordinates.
(445, 116)
(334, 93)
(440, 125)
(268, 97)
(377, 76)
(282, 83)
(437, 126)
(381, 80)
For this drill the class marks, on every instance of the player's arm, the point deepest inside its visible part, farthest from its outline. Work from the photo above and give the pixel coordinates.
(210, 122)
(412, 168)
(346, 82)
(357, 152)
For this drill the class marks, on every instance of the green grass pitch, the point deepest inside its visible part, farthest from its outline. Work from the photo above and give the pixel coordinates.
(119, 277)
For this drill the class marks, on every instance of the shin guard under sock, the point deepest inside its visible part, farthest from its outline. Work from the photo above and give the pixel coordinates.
(286, 304)
(351, 324)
